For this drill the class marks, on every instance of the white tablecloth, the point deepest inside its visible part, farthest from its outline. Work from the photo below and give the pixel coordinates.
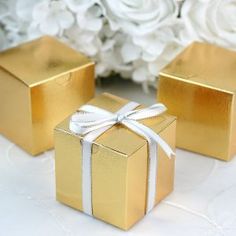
(203, 202)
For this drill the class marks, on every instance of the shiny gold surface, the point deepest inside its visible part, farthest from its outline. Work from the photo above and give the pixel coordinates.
(41, 60)
(41, 82)
(15, 119)
(119, 167)
(199, 88)
(205, 65)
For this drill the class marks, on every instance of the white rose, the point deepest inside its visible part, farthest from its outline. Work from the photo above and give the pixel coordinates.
(139, 16)
(212, 21)
(150, 25)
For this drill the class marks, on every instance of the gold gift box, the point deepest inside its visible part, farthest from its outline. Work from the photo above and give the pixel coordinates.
(119, 167)
(41, 82)
(199, 87)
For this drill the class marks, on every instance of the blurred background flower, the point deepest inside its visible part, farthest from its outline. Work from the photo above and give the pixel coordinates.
(132, 38)
(51, 17)
(213, 21)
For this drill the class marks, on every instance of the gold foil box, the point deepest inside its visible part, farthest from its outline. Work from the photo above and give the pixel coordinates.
(41, 82)
(199, 87)
(119, 167)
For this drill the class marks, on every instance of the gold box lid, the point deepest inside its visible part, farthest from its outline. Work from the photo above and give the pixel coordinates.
(205, 65)
(40, 60)
(119, 138)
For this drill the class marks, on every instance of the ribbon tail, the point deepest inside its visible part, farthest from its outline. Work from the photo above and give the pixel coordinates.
(86, 177)
(163, 144)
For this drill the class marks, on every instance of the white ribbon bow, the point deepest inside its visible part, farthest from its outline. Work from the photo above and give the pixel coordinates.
(91, 122)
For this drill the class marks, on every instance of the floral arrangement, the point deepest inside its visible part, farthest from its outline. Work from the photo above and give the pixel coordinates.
(134, 38)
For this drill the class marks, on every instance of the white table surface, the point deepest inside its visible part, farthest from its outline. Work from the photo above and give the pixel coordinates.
(203, 202)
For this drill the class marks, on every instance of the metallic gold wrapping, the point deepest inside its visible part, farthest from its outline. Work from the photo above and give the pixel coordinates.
(199, 87)
(41, 82)
(119, 167)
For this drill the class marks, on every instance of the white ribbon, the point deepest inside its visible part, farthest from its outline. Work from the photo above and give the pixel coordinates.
(91, 122)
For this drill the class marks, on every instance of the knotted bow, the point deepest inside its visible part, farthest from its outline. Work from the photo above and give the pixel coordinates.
(91, 122)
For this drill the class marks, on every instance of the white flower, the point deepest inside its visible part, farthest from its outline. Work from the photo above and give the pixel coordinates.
(24, 9)
(85, 34)
(150, 27)
(213, 21)
(109, 58)
(140, 72)
(168, 54)
(154, 44)
(16, 31)
(91, 19)
(130, 52)
(88, 13)
(52, 17)
(139, 16)
(84, 41)
(13, 24)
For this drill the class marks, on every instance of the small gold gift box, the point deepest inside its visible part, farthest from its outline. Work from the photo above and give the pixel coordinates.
(41, 82)
(119, 167)
(199, 87)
